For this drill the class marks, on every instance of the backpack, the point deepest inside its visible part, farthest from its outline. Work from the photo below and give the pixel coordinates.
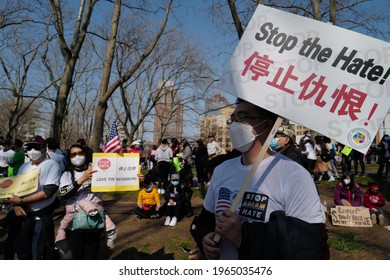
(326, 155)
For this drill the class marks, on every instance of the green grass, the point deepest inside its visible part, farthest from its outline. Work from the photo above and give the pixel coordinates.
(344, 242)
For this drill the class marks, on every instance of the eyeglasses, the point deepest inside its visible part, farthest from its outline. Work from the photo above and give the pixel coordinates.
(73, 155)
(241, 117)
(36, 147)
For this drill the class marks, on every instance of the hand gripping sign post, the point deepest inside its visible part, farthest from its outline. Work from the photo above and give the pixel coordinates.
(326, 78)
(115, 172)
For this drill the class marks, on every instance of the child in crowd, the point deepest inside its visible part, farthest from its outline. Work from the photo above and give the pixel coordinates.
(348, 192)
(148, 200)
(173, 204)
(374, 201)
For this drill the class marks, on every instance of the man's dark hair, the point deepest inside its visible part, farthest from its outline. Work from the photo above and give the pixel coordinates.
(164, 141)
(81, 142)
(262, 112)
(52, 144)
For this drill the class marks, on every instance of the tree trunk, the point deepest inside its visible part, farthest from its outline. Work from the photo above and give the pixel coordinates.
(316, 9)
(106, 91)
(62, 100)
(236, 18)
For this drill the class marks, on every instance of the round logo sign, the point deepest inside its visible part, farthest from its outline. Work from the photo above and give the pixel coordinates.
(104, 164)
(359, 138)
(6, 184)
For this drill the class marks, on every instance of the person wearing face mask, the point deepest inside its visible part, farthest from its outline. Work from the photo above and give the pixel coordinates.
(284, 143)
(347, 192)
(374, 201)
(148, 200)
(173, 201)
(75, 188)
(33, 228)
(277, 184)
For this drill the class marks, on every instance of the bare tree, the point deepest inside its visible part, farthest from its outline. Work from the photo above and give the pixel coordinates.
(350, 14)
(106, 90)
(174, 64)
(70, 54)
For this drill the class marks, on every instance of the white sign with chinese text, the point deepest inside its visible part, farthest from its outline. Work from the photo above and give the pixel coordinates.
(115, 172)
(326, 78)
(350, 216)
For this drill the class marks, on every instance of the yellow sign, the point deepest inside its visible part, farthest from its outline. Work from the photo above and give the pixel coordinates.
(346, 150)
(22, 184)
(115, 172)
(351, 216)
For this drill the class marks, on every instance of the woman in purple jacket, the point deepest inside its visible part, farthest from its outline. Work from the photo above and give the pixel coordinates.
(347, 192)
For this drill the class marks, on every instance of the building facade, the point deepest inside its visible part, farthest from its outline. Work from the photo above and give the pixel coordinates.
(168, 118)
(217, 124)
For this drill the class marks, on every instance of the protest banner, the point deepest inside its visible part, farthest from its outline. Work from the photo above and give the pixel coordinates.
(350, 216)
(20, 185)
(115, 172)
(326, 78)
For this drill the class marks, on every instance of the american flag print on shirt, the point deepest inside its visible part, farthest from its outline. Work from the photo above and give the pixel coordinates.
(223, 201)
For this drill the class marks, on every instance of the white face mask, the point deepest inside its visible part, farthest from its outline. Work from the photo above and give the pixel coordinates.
(347, 181)
(78, 160)
(34, 154)
(241, 135)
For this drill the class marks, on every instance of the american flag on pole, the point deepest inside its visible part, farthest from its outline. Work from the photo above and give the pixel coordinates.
(223, 201)
(113, 143)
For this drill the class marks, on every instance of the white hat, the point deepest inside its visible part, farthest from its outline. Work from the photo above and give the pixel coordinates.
(135, 143)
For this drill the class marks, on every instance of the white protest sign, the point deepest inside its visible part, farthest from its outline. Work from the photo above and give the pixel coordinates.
(350, 216)
(326, 78)
(115, 172)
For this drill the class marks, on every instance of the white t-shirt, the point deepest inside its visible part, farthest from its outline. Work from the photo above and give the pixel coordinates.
(287, 186)
(49, 174)
(58, 158)
(5, 157)
(213, 148)
(84, 192)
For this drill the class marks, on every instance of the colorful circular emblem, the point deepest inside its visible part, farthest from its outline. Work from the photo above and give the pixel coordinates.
(359, 138)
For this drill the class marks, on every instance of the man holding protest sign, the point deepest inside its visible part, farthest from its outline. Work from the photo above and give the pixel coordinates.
(277, 184)
(32, 230)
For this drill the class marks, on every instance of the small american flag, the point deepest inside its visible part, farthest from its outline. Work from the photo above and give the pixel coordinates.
(223, 201)
(113, 143)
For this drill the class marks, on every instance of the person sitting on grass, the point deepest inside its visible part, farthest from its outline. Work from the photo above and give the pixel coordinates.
(348, 192)
(148, 200)
(173, 201)
(374, 201)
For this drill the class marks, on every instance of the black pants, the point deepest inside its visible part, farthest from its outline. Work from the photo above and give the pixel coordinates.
(33, 238)
(174, 211)
(84, 245)
(164, 169)
(200, 173)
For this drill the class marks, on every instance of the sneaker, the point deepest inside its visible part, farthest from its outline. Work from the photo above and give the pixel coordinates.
(373, 219)
(381, 219)
(173, 222)
(167, 221)
(331, 179)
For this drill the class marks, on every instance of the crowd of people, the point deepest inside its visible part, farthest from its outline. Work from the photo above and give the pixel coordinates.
(66, 176)
(288, 192)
